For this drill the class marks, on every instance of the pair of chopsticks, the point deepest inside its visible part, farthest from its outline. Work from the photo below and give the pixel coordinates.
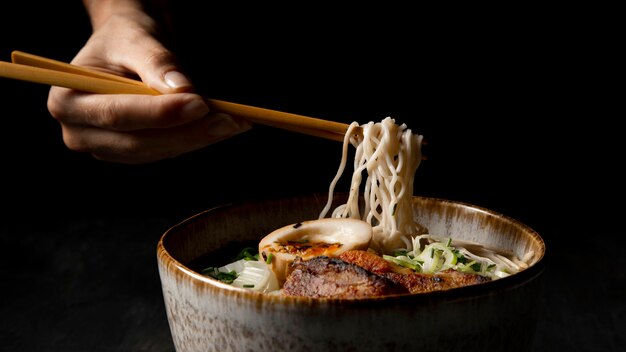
(37, 69)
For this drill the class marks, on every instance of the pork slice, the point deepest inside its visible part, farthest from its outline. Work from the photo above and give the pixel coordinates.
(325, 277)
(413, 281)
(445, 280)
(372, 262)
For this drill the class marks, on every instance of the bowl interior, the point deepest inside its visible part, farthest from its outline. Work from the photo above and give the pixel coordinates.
(250, 221)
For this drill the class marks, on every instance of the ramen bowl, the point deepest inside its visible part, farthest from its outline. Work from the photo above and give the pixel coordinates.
(207, 315)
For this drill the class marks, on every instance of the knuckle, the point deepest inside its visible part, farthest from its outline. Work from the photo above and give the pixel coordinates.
(73, 141)
(106, 116)
(55, 107)
(131, 146)
(158, 58)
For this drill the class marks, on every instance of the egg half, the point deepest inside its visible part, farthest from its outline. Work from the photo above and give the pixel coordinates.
(329, 237)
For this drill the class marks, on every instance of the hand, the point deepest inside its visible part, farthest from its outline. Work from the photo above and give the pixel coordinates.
(136, 128)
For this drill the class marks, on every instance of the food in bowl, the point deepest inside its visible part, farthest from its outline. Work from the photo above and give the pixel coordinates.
(372, 245)
(331, 258)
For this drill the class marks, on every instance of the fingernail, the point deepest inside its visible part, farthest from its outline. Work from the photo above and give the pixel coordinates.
(223, 125)
(195, 109)
(176, 80)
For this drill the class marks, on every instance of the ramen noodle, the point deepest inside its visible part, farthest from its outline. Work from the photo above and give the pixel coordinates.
(389, 155)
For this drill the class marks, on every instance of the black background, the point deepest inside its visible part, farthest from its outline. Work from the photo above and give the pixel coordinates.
(514, 117)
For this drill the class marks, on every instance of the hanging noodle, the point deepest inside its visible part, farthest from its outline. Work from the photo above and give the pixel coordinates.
(389, 154)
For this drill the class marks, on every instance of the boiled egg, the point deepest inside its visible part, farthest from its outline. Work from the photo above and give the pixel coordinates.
(328, 237)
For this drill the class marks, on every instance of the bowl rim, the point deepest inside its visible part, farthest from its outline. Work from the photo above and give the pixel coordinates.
(494, 287)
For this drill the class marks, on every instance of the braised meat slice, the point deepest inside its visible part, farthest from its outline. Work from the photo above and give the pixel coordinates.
(373, 262)
(444, 280)
(325, 277)
(413, 281)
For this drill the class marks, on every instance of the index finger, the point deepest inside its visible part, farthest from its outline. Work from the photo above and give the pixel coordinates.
(125, 112)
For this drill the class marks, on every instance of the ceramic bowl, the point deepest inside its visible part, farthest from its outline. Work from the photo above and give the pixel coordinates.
(207, 315)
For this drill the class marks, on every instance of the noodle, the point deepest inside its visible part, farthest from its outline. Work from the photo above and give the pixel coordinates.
(390, 155)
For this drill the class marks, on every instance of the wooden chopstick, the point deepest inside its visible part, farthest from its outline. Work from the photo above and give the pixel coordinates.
(38, 69)
(66, 79)
(20, 57)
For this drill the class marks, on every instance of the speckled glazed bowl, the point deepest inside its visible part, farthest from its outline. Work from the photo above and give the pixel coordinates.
(207, 315)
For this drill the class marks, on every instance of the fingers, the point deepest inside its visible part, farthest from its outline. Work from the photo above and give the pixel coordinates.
(156, 66)
(144, 146)
(127, 45)
(139, 129)
(125, 112)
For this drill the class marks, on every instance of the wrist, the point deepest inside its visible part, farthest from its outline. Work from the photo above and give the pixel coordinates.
(100, 11)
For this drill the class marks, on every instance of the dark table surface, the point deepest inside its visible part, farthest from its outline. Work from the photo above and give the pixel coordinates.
(78, 236)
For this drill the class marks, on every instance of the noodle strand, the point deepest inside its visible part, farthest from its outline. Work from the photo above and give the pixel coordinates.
(390, 155)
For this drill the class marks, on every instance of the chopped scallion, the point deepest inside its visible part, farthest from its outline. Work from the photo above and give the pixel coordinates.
(475, 266)
(227, 278)
(247, 253)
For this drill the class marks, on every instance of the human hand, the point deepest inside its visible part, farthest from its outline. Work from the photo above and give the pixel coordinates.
(136, 128)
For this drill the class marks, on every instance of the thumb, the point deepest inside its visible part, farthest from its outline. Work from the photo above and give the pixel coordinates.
(158, 68)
